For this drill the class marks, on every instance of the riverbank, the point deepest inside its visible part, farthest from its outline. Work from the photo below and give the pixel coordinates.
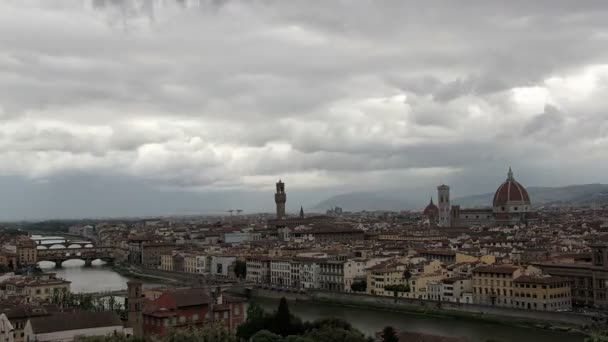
(138, 274)
(554, 321)
(371, 320)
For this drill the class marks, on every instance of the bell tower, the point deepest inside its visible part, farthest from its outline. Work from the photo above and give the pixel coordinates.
(280, 198)
(134, 305)
(443, 195)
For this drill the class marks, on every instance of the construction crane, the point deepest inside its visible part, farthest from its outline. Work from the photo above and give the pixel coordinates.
(238, 211)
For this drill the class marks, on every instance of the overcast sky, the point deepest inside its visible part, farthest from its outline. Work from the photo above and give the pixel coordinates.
(136, 107)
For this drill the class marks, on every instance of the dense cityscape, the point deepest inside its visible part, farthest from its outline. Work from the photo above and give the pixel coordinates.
(512, 262)
(303, 171)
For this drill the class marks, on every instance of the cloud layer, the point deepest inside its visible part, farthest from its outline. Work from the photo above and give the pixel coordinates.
(209, 95)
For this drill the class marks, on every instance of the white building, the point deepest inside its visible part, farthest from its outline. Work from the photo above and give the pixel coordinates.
(7, 331)
(280, 272)
(453, 289)
(258, 269)
(309, 274)
(356, 270)
(221, 266)
(203, 264)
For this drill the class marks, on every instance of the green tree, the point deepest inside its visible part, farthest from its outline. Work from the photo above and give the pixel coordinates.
(328, 334)
(257, 320)
(296, 338)
(359, 286)
(209, 333)
(282, 319)
(266, 336)
(407, 274)
(598, 337)
(332, 322)
(115, 337)
(389, 335)
(240, 269)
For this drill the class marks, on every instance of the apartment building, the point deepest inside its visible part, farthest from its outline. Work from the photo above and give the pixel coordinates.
(493, 285)
(27, 252)
(309, 273)
(381, 278)
(280, 272)
(258, 269)
(545, 293)
(40, 288)
(331, 275)
(356, 270)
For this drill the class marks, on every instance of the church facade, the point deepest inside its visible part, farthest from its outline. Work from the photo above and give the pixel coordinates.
(511, 205)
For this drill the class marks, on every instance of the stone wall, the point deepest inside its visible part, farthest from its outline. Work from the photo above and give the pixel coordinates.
(278, 294)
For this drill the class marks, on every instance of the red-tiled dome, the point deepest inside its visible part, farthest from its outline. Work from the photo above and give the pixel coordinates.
(431, 210)
(511, 192)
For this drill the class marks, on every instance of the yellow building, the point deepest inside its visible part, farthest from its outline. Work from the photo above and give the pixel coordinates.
(386, 280)
(166, 262)
(419, 284)
(27, 252)
(542, 293)
(379, 278)
(41, 288)
(493, 285)
(464, 258)
(190, 263)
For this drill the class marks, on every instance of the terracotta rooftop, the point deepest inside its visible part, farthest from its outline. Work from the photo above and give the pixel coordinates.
(503, 269)
(540, 280)
(74, 321)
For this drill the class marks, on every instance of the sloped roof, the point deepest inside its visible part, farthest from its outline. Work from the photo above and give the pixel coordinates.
(190, 297)
(74, 320)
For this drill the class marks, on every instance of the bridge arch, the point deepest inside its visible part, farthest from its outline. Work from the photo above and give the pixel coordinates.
(88, 254)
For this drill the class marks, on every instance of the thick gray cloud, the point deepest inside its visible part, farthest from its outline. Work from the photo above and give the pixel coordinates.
(207, 96)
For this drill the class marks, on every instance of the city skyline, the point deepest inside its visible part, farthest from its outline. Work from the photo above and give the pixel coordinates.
(118, 109)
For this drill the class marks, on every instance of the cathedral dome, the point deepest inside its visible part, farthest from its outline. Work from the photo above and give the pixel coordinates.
(511, 194)
(431, 210)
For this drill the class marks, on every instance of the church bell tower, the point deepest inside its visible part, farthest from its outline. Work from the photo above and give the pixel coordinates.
(443, 194)
(134, 305)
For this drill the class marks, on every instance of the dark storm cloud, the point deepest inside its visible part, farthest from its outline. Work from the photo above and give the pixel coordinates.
(215, 95)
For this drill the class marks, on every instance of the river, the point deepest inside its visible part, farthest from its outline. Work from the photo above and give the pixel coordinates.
(100, 277)
(97, 278)
(369, 321)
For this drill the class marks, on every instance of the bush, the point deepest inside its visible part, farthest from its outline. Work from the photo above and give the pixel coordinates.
(397, 288)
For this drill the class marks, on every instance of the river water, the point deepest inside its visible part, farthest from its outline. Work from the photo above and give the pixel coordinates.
(370, 321)
(99, 277)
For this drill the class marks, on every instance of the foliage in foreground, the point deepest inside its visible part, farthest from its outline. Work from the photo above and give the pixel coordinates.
(209, 333)
(598, 337)
(280, 326)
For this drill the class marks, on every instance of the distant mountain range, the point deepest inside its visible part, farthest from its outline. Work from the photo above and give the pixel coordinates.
(572, 194)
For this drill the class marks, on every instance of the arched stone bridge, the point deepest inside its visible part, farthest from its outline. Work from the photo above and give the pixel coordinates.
(65, 243)
(88, 254)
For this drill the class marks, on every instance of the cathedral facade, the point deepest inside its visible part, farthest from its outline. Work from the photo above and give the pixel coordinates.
(511, 205)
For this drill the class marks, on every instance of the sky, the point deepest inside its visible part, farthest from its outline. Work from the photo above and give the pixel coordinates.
(144, 107)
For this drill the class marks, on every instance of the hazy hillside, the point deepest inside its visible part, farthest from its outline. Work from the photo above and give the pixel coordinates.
(365, 201)
(573, 194)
